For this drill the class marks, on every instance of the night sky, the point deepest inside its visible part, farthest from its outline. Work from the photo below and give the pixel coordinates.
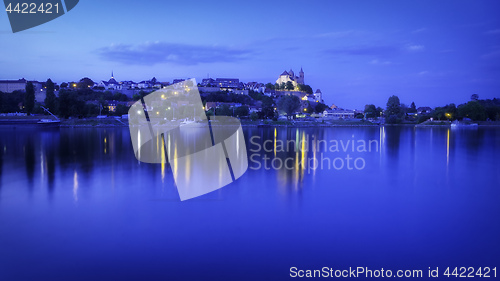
(356, 52)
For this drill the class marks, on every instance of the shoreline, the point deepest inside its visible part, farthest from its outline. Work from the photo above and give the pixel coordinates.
(117, 123)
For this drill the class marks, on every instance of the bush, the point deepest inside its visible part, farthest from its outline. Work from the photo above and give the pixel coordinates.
(393, 119)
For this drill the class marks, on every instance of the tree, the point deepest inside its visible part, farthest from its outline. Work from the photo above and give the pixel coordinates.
(267, 110)
(289, 86)
(309, 109)
(269, 86)
(413, 108)
(447, 112)
(70, 104)
(121, 110)
(85, 83)
(474, 97)
(224, 110)
(289, 104)
(241, 111)
(492, 108)
(371, 111)
(473, 110)
(254, 116)
(255, 95)
(320, 107)
(393, 112)
(305, 88)
(10, 101)
(29, 98)
(50, 98)
(64, 85)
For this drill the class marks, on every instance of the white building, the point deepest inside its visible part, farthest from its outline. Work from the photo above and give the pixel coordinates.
(338, 113)
(111, 84)
(287, 76)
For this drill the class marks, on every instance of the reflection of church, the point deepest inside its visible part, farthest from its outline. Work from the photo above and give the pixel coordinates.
(290, 76)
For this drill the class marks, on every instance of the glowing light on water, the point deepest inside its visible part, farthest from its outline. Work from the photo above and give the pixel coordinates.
(448, 148)
(75, 186)
(275, 134)
(163, 160)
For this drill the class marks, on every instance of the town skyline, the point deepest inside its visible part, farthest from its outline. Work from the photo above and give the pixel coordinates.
(356, 53)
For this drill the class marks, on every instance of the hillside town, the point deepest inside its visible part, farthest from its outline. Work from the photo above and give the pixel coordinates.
(289, 97)
(123, 93)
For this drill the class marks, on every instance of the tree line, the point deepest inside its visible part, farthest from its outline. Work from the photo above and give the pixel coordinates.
(79, 101)
(475, 110)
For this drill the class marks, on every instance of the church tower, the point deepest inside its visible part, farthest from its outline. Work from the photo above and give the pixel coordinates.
(301, 76)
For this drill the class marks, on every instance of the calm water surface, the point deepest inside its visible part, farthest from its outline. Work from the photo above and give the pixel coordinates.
(75, 204)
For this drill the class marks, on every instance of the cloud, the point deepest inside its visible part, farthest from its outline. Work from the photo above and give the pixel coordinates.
(375, 51)
(495, 54)
(380, 62)
(415, 48)
(419, 30)
(336, 34)
(151, 53)
(493, 32)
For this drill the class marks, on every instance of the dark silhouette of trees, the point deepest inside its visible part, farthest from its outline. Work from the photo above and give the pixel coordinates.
(413, 108)
(473, 110)
(393, 112)
(50, 98)
(29, 98)
(85, 83)
(289, 104)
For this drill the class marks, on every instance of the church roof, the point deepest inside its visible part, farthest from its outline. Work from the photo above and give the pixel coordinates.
(318, 91)
(284, 73)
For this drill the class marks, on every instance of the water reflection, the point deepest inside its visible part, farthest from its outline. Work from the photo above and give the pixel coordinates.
(29, 160)
(75, 186)
(86, 184)
(295, 157)
(392, 140)
(3, 149)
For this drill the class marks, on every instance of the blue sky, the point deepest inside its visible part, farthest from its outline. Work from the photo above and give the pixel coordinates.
(356, 52)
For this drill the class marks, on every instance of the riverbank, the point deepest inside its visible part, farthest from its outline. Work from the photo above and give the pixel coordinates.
(112, 122)
(118, 122)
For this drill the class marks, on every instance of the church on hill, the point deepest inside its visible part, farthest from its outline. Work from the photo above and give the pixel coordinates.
(290, 76)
